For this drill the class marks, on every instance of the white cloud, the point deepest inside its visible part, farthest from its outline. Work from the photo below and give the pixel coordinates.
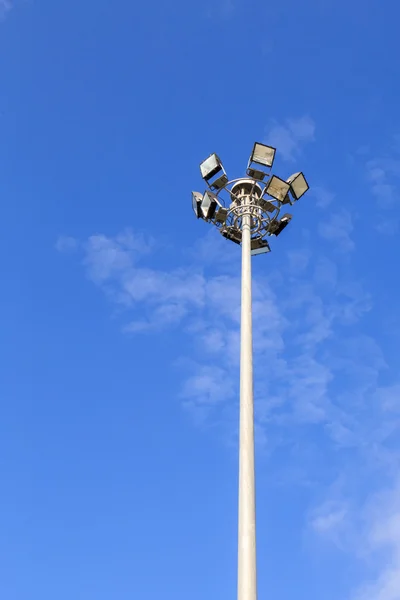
(382, 174)
(382, 539)
(67, 244)
(388, 226)
(328, 518)
(210, 385)
(324, 196)
(299, 260)
(314, 372)
(326, 273)
(337, 228)
(225, 9)
(289, 137)
(389, 398)
(157, 299)
(5, 7)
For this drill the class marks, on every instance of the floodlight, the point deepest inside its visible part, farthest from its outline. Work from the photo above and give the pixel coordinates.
(219, 183)
(277, 188)
(298, 185)
(233, 234)
(209, 204)
(276, 227)
(196, 203)
(221, 215)
(266, 205)
(259, 246)
(211, 167)
(263, 155)
(256, 174)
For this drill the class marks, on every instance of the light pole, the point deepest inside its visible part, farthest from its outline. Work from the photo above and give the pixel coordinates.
(247, 211)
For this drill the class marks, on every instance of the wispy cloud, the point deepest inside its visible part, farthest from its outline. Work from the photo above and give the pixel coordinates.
(314, 371)
(323, 196)
(328, 519)
(361, 513)
(224, 9)
(5, 7)
(369, 531)
(383, 545)
(387, 226)
(382, 188)
(291, 135)
(67, 244)
(227, 8)
(158, 299)
(383, 174)
(337, 228)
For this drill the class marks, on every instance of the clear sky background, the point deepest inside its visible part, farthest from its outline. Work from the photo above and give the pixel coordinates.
(119, 311)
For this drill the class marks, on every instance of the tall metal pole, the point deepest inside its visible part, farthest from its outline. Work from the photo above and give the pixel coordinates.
(248, 216)
(247, 573)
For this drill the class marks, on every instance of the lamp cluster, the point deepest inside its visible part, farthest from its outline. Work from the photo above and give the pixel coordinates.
(260, 195)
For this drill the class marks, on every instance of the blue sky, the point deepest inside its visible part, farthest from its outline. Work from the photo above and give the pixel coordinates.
(119, 311)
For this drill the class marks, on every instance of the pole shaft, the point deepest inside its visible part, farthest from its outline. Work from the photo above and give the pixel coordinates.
(247, 574)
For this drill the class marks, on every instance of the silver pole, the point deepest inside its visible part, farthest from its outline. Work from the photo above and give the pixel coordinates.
(247, 574)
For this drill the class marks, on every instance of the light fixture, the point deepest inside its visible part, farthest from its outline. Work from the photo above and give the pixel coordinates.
(219, 183)
(276, 227)
(232, 233)
(196, 203)
(298, 185)
(277, 188)
(221, 215)
(209, 204)
(256, 174)
(261, 155)
(213, 172)
(266, 205)
(259, 246)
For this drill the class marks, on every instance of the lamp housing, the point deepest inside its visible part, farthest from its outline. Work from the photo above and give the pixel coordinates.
(213, 172)
(298, 185)
(259, 246)
(221, 215)
(209, 205)
(261, 155)
(196, 204)
(232, 233)
(276, 227)
(277, 188)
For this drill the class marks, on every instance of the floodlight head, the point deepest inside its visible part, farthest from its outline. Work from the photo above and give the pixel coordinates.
(276, 227)
(263, 155)
(256, 174)
(266, 205)
(232, 233)
(213, 172)
(196, 204)
(209, 204)
(221, 215)
(210, 167)
(277, 188)
(219, 183)
(298, 185)
(259, 246)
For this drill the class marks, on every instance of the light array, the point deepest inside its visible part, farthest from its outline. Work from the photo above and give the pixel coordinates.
(260, 195)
